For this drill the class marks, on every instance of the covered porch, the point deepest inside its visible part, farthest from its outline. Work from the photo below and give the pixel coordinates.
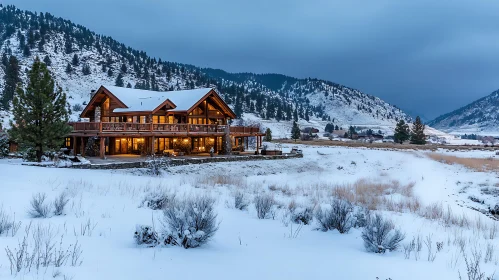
(100, 146)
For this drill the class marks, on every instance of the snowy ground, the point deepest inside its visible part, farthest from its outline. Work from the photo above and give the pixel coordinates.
(246, 247)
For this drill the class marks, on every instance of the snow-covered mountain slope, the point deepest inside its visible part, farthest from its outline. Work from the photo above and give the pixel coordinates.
(102, 60)
(479, 117)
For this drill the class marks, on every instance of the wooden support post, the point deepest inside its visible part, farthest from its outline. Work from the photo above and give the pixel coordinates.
(74, 145)
(102, 147)
(257, 146)
(153, 139)
(83, 146)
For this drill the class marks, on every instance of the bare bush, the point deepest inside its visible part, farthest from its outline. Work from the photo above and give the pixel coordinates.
(429, 245)
(473, 270)
(241, 201)
(40, 251)
(157, 199)
(5, 222)
(339, 216)
(39, 208)
(380, 235)
(489, 252)
(264, 205)
(190, 222)
(60, 203)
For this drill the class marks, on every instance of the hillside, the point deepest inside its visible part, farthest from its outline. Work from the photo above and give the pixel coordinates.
(82, 60)
(481, 116)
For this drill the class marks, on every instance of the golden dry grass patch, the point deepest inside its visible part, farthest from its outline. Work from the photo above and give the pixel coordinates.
(478, 164)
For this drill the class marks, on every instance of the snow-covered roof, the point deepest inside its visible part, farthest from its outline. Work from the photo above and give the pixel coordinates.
(138, 100)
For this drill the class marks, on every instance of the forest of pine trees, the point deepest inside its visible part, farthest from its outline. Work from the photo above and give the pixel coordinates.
(270, 96)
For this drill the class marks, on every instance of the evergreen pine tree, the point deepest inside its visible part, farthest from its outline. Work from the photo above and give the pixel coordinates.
(75, 60)
(417, 132)
(129, 85)
(252, 107)
(11, 79)
(329, 128)
(69, 69)
(295, 114)
(68, 44)
(123, 68)
(40, 112)
(402, 132)
(278, 115)
(295, 132)
(110, 72)
(119, 81)
(4, 144)
(86, 69)
(26, 51)
(47, 60)
(268, 135)
(5, 60)
(351, 132)
(238, 108)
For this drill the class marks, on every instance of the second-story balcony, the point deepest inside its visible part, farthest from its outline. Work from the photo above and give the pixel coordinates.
(123, 128)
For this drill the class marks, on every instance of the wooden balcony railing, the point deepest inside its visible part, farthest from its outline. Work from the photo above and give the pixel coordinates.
(169, 127)
(244, 129)
(206, 128)
(95, 127)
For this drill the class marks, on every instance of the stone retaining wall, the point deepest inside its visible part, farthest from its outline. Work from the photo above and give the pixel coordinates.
(183, 161)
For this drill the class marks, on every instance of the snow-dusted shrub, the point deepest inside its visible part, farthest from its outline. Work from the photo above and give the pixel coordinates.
(380, 235)
(241, 201)
(77, 107)
(4, 145)
(189, 222)
(360, 216)
(29, 154)
(339, 216)
(39, 208)
(60, 203)
(154, 165)
(5, 222)
(145, 235)
(264, 205)
(157, 199)
(300, 214)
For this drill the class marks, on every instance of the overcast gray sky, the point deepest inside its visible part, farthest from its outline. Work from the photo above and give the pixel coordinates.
(424, 56)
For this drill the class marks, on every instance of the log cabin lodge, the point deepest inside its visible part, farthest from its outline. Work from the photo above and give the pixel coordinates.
(133, 121)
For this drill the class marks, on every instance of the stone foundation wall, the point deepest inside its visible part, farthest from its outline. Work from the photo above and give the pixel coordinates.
(184, 161)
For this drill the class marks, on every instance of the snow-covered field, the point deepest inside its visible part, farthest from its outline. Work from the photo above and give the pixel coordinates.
(103, 212)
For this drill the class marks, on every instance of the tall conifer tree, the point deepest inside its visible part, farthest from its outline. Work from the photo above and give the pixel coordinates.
(40, 112)
(417, 132)
(295, 132)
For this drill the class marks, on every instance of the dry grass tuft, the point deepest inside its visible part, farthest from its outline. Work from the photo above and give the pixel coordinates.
(221, 180)
(478, 164)
(376, 195)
